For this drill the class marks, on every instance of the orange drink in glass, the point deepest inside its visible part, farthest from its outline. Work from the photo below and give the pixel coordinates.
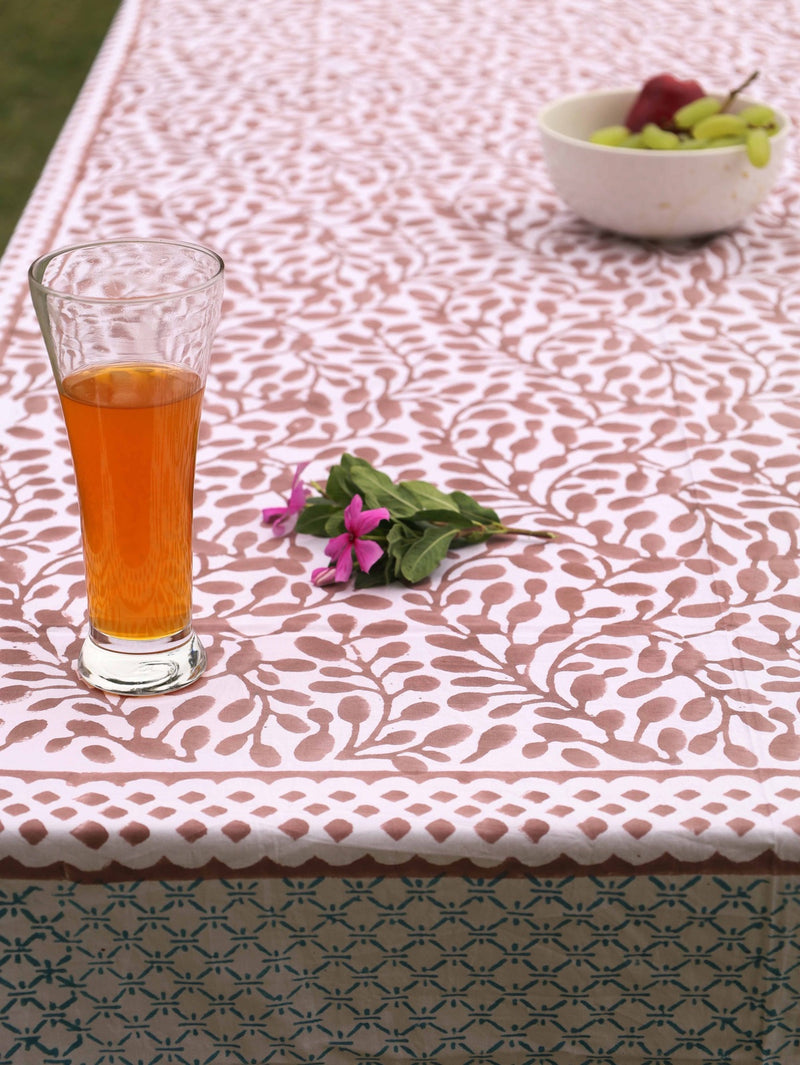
(128, 326)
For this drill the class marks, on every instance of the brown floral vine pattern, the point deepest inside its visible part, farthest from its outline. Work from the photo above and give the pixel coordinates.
(404, 284)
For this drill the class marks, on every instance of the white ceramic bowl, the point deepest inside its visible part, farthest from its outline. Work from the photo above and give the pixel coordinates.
(658, 195)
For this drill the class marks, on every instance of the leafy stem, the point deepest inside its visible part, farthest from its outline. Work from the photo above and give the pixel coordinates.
(420, 523)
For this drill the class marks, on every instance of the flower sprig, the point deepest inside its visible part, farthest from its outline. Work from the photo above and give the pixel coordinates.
(403, 534)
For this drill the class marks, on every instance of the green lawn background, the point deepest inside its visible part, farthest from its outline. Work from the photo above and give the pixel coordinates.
(46, 50)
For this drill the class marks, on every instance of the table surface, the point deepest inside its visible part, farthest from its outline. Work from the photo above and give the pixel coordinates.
(403, 284)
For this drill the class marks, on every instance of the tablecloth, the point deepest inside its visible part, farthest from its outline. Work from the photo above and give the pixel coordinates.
(404, 284)
(416, 768)
(350, 841)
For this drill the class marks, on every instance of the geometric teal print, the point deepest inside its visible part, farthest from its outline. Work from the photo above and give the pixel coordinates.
(650, 970)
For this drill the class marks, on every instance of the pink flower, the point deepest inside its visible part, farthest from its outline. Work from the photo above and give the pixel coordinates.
(284, 519)
(341, 548)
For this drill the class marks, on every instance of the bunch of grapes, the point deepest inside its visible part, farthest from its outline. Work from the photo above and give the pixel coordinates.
(702, 122)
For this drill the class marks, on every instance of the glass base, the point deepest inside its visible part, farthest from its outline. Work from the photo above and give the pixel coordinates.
(141, 672)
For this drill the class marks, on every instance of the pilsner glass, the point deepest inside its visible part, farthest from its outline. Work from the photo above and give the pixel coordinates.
(128, 326)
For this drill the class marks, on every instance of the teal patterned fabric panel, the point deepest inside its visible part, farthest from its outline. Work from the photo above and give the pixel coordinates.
(646, 970)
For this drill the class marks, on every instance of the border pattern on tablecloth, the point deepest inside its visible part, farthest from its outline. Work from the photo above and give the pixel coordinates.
(289, 821)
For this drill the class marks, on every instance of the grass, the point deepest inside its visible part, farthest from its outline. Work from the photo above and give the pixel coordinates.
(46, 50)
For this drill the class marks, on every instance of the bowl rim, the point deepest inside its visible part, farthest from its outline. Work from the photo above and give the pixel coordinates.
(784, 123)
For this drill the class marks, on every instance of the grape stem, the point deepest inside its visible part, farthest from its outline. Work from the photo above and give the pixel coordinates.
(739, 88)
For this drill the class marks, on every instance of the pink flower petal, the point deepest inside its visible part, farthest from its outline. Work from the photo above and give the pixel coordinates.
(344, 566)
(338, 544)
(286, 525)
(299, 493)
(352, 512)
(300, 467)
(367, 553)
(285, 518)
(359, 523)
(369, 519)
(282, 521)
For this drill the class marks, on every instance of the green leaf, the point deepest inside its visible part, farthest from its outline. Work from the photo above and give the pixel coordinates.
(422, 557)
(473, 509)
(315, 515)
(428, 496)
(347, 461)
(378, 490)
(335, 524)
(338, 486)
(352, 466)
(382, 572)
(452, 518)
(399, 538)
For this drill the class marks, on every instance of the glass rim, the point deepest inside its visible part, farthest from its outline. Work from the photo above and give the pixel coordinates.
(40, 264)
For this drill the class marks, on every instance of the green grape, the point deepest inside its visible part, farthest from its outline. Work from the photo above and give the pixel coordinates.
(610, 136)
(690, 114)
(718, 126)
(702, 124)
(758, 115)
(758, 146)
(654, 136)
(689, 144)
(729, 140)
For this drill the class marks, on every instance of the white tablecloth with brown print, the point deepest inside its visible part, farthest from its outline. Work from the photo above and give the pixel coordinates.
(403, 284)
